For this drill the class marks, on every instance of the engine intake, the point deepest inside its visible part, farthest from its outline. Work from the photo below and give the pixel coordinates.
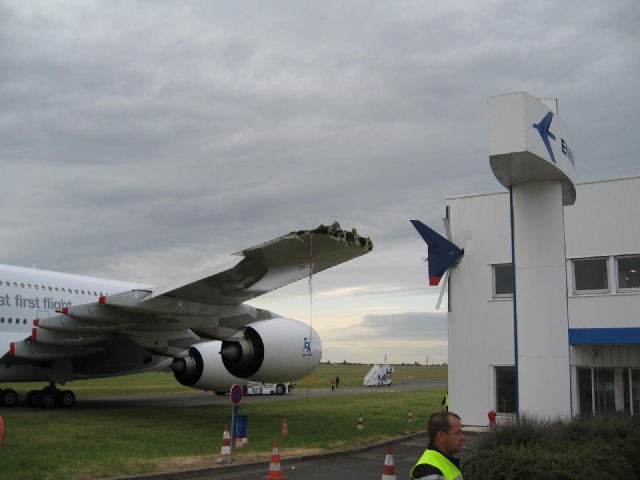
(244, 358)
(273, 350)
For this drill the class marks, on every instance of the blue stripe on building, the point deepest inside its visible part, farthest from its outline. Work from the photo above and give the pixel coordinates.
(604, 336)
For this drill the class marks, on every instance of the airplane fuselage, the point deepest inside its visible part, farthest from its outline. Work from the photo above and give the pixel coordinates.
(27, 294)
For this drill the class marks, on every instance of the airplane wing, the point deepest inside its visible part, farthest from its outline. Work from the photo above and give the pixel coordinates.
(271, 265)
(169, 319)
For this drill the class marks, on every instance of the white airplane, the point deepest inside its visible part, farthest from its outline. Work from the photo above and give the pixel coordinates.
(201, 329)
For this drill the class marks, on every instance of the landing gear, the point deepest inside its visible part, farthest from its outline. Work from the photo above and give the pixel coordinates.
(8, 397)
(50, 397)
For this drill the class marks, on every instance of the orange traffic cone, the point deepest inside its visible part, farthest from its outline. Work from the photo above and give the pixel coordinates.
(410, 417)
(239, 442)
(360, 423)
(274, 467)
(285, 428)
(389, 469)
(225, 451)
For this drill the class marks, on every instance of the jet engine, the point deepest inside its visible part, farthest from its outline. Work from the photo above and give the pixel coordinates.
(273, 350)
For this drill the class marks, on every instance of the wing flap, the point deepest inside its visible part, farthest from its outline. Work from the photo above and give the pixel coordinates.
(36, 351)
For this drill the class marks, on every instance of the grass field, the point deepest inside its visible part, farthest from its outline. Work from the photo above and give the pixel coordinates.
(81, 444)
(350, 375)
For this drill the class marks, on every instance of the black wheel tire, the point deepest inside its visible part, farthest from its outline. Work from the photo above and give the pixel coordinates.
(8, 398)
(48, 399)
(280, 389)
(30, 398)
(34, 398)
(65, 399)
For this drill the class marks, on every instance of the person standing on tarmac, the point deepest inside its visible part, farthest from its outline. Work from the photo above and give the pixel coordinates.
(445, 439)
(444, 404)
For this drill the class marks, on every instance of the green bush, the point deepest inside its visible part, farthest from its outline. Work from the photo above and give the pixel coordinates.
(527, 430)
(607, 447)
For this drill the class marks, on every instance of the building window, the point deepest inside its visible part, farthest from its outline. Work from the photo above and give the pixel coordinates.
(628, 272)
(502, 280)
(585, 391)
(590, 275)
(605, 390)
(505, 389)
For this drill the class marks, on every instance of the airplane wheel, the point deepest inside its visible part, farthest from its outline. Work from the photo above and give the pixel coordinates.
(34, 398)
(48, 399)
(8, 397)
(66, 399)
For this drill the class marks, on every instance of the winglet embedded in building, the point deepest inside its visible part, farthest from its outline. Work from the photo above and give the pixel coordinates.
(441, 253)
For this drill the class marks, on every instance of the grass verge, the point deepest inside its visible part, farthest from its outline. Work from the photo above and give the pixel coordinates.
(82, 444)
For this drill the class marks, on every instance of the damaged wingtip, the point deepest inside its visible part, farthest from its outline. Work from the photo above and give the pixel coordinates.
(351, 238)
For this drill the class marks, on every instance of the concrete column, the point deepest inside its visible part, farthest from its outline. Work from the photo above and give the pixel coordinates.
(541, 291)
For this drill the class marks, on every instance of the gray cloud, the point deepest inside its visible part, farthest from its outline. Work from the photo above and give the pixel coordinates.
(403, 337)
(172, 132)
(407, 325)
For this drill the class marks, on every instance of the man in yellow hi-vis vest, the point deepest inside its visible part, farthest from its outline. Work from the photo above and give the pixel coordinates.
(445, 439)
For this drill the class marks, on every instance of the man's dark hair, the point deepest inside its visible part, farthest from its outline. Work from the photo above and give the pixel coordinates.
(439, 422)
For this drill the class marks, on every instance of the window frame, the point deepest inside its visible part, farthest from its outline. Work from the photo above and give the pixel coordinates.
(616, 259)
(605, 290)
(494, 294)
(500, 373)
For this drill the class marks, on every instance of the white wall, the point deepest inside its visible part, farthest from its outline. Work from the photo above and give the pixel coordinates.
(602, 222)
(480, 329)
(604, 219)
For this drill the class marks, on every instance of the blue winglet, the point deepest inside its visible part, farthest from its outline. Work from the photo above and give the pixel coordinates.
(441, 253)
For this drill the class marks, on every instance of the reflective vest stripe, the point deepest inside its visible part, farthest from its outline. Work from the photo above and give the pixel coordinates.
(442, 463)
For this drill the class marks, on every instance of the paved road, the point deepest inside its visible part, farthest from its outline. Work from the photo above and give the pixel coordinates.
(198, 398)
(361, 464)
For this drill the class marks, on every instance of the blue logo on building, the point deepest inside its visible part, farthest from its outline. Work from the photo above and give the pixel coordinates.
(543, 130)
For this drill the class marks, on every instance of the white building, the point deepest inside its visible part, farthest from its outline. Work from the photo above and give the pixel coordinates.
(601, 321)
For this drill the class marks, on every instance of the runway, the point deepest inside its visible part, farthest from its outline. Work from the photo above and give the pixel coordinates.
(200, 398)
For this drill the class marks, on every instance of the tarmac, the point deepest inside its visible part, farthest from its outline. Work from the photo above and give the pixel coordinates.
(355, 464)
(361, 463)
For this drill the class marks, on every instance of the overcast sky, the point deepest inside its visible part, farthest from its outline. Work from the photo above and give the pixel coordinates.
(143, 140)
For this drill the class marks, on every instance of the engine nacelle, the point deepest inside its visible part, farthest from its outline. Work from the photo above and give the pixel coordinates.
(273, 350)
(203, 369)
